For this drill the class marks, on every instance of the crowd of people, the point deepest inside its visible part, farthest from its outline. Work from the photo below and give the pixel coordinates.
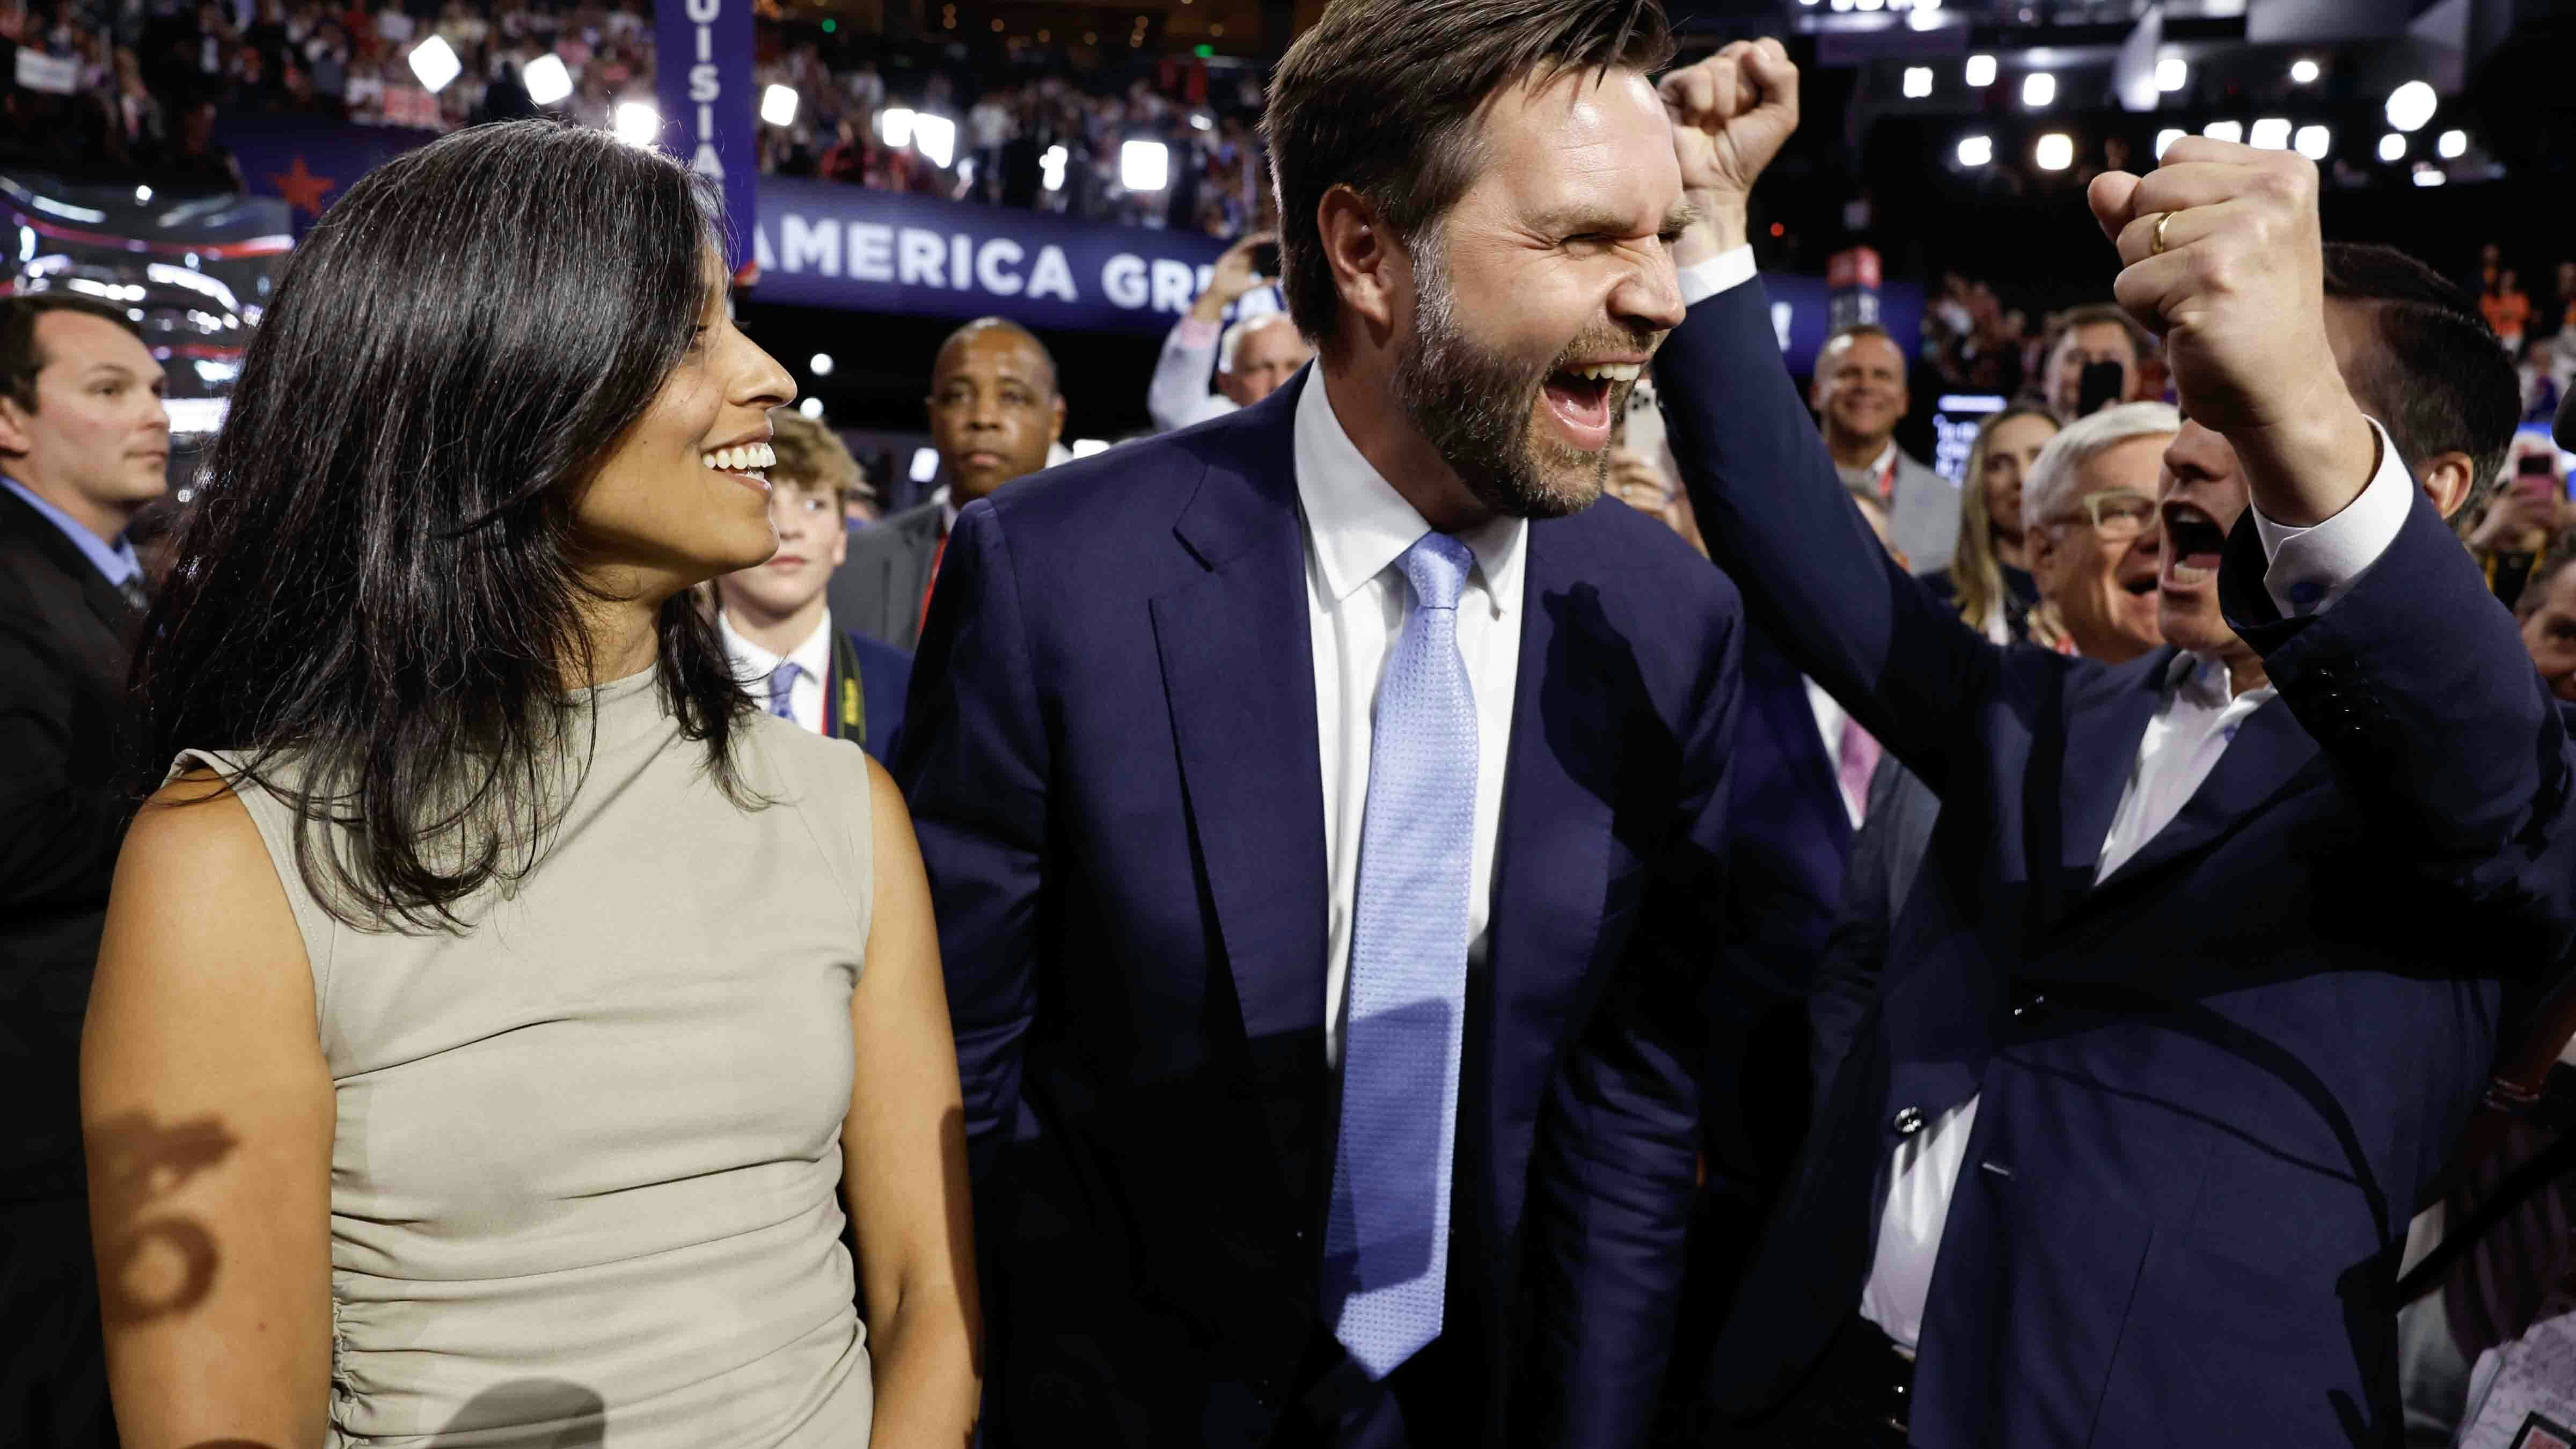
(91, 86)
(1511, 876)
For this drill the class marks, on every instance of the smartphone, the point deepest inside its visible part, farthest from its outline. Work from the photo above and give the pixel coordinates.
(1265, 260)
(2534, 475)
(2103, 384)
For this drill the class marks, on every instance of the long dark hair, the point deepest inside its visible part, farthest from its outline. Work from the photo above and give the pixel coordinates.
(379, 584)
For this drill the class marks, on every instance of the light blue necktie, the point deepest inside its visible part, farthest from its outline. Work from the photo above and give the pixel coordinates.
(1386, 1239)
(782, 683)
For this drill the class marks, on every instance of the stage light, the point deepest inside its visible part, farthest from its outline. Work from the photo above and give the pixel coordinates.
(811, 407)
(1923, 19)
(2172, 73)
(1085, 447)
(2055, 152)
(2224, 130)
(638, 124)
(2314, 142)
(1976, 150)
(2303, 72)
(2038, 89)
(1144, 165)
(1918, 81)
(2392, 147)
(1051, 167)
(778, 105)
(2165, 139)
(2271, 133)
(1868, 4)
(143, 195)
(547, 79)
(934, 136)
(2429, 176)
(894, 126)
(820, 364)
(1981, 70)
(435, 63)
(2452, 146)
(925, 464)
(2411, 105)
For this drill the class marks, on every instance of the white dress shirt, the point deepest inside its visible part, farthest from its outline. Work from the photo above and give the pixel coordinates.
(1356, 525)
(1830, 718)
(2197, 718)
(753, 664)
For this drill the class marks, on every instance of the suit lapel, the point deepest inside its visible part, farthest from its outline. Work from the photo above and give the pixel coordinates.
(2271, 752)
(1238, 674)
(1552, 848)
(104, 613)
(2106, 713)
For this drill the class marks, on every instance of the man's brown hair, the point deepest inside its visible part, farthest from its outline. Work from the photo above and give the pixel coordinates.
(1383, 96)
(811, 455)
(20, 358)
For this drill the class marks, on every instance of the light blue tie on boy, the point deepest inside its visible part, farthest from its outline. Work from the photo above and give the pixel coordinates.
(1386, 1237)
(782, 687)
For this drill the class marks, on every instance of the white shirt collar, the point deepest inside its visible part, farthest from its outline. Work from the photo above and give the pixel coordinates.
(752, 664)
(2205, 678)
(947, 509)
(1359, 524)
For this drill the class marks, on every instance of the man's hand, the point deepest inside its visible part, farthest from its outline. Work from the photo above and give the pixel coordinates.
(1232, 277)
(2238, 293)
(1731, 114)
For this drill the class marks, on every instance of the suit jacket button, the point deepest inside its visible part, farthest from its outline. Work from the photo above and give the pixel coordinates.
(1909, 1120)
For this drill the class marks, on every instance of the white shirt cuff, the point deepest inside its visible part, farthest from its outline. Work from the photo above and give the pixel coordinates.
(1196, 335)
(2307, 569)
(1728, 269)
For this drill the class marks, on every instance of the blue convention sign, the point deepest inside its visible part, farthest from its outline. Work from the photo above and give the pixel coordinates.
(826, 245)
(703, 79)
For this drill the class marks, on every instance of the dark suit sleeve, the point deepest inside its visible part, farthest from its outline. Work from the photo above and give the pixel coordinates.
(58, 836)
(2417, 686)
(973, 766)
(1777, 520)
(1616, 1165)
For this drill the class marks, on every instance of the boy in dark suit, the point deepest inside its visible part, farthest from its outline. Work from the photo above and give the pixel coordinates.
(776, 619)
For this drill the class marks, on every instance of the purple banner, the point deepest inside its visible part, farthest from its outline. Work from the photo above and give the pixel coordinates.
(702, 72)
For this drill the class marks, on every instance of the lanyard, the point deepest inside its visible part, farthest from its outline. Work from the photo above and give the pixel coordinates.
(845, 708)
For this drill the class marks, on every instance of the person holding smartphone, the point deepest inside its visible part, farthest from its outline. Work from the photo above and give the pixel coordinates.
(2529, 514)
(1251, 358)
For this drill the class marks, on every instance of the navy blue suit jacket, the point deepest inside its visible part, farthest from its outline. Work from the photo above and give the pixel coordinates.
(1112, 763)
(884, 672)
(2213, 1085)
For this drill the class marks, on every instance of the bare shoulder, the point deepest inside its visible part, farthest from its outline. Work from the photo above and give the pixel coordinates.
(196, 828)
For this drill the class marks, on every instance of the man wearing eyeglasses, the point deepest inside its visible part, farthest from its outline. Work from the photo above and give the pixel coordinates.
(2089, 514)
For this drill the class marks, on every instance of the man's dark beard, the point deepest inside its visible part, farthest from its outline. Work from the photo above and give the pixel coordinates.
(1475, 407)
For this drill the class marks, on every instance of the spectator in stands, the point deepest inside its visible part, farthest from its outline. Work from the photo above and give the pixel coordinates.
(1989, 579)
(995, 412)
(2086, 337)
(2089, 518)
(2547, 609)
(2506, 307)
(1253, 356)
(84, 445)
(775, 620)
(1859, 395)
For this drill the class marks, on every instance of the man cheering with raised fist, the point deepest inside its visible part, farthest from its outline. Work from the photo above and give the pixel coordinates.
(2176, 1027)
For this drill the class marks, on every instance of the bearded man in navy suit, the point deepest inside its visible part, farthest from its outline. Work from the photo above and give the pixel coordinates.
(1326, 806)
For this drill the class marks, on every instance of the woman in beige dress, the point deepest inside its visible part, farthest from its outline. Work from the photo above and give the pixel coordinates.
(499, 1020)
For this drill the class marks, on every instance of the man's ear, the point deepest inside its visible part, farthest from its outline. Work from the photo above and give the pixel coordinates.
(1369, 268)
(14, 436)
(2448, 479)
(1055, 421)
(2040, 544)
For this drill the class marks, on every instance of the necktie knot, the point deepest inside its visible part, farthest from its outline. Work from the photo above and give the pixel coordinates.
(782, 684)
(1437, 567)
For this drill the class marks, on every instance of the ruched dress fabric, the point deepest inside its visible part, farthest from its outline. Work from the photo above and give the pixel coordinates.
(585, 1182)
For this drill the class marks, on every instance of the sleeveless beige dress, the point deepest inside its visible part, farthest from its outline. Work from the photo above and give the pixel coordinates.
(585, 1185)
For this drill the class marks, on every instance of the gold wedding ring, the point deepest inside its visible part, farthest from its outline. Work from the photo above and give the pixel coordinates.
(2159, 247)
